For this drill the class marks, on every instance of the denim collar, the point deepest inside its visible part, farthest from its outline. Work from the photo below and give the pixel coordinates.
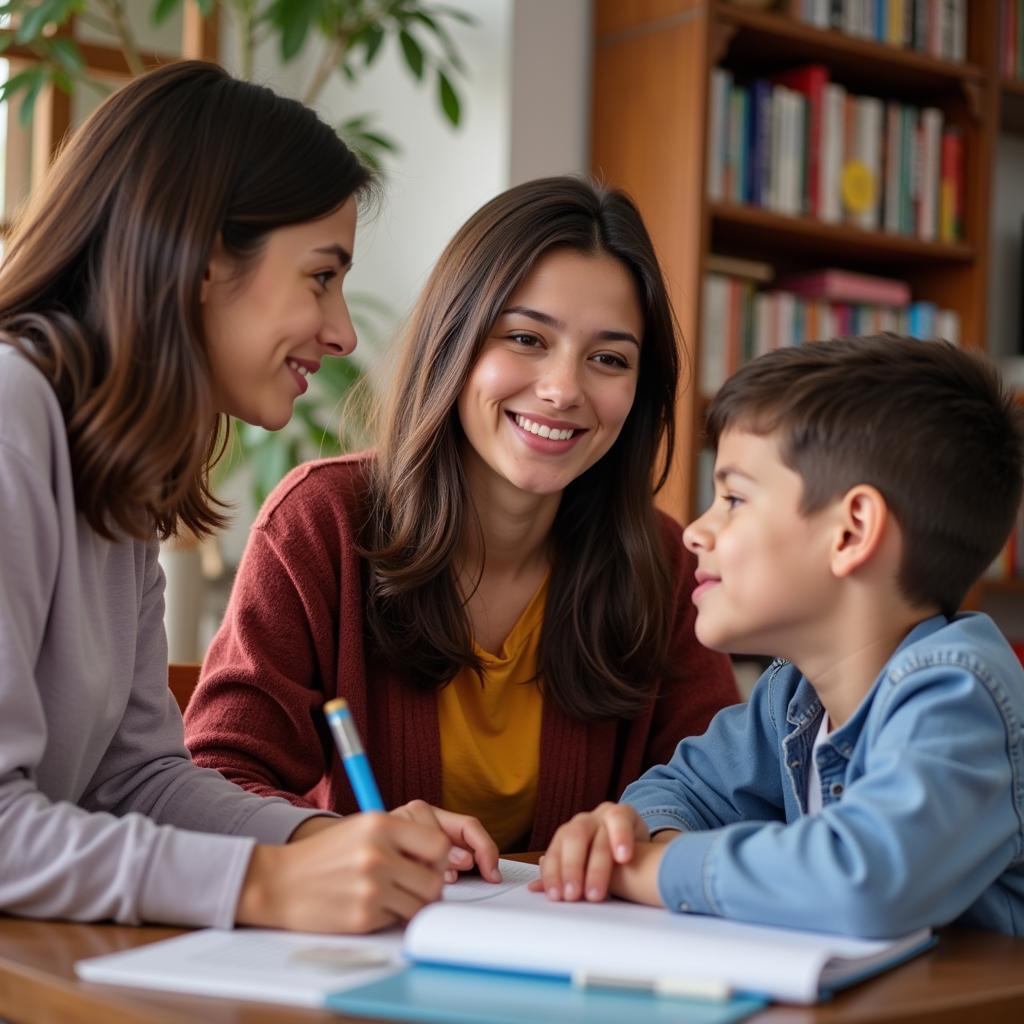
(805, 706)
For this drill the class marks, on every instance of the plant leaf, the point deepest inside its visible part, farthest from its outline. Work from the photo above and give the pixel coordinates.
(37, 18)
(449, 98)
(413, 53)
(66, 54)
(293, 20)
(163, 9)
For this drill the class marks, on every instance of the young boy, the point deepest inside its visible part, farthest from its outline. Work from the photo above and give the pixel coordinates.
(874, 783)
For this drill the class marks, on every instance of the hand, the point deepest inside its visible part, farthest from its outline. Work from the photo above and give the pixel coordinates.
(584, 851)
(637, 881)
(365, 872)
(471, 843)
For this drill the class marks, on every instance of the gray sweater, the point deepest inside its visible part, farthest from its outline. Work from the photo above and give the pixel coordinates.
(102, 813)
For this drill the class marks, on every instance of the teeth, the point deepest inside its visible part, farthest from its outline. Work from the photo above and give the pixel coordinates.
(298, 367)
(543, 431)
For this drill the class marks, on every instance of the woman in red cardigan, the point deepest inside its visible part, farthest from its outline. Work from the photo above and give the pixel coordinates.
(492, 590)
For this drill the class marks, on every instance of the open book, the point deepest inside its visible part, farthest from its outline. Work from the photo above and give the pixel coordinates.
(512, 932)
(523, 932)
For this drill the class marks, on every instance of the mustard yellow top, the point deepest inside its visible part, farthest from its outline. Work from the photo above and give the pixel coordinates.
(490, 734)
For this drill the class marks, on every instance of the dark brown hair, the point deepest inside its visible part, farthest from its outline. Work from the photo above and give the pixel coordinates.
(606, 620)
(929, 425)
(101, 283)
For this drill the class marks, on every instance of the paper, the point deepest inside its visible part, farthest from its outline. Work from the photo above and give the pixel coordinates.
(472, 888)
(279, 967)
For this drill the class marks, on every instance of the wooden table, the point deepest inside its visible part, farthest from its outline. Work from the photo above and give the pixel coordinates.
(969, 977)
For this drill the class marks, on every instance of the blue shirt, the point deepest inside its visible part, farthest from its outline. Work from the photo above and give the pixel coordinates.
(923, 802)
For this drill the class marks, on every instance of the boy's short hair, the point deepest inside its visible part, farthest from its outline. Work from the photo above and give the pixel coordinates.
(928, 424)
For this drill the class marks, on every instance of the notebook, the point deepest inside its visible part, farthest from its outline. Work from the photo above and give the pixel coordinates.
(516, 941)
(523, 932)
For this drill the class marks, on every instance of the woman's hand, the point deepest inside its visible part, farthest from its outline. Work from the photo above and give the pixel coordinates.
(471, 843)
(585, 850)
(361, 873)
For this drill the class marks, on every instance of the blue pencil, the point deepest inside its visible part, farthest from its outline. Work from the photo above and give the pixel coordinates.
(357, 765)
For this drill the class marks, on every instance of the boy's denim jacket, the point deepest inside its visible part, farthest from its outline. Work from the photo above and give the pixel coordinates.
(923, 794)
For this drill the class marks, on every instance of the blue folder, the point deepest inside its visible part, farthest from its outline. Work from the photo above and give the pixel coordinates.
(457, 995)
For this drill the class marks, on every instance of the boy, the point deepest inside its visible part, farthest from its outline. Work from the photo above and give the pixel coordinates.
(874, 783)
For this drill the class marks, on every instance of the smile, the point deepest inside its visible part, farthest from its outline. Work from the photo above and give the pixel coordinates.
(542, 430)
(298, 367)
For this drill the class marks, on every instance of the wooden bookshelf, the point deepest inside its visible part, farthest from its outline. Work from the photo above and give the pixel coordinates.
(651, 84)
(1012, 105)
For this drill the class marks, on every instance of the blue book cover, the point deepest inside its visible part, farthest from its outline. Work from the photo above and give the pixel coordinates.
(460, 996)
(759, 163)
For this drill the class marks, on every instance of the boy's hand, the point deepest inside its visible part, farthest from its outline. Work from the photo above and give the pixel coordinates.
(358, 874)
(471, 843)
(637, 881)
(585, 850)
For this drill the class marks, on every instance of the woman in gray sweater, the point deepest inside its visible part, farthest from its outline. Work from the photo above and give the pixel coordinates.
(183, 262)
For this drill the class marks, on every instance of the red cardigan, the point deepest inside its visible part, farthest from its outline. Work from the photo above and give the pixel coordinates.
(293, 638)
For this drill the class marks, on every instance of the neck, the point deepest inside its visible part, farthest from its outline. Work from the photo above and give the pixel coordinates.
(843, 663)
(514, 527)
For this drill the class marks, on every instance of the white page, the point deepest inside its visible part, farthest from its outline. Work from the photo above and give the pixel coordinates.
(524, 931)
(275, 966)
(270, 966)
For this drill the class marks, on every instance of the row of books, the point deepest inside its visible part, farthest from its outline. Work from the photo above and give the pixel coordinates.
(1011, 38)
(744, 317)
(935, 27)
(799, 144)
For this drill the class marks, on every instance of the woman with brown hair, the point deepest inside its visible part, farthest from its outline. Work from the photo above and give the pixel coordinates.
(183, 261)
(492, 590)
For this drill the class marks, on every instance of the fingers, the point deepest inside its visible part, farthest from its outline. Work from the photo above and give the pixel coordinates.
(419, 840)
(471, 836)
(621, 823)
(599, 867)
(471, 841)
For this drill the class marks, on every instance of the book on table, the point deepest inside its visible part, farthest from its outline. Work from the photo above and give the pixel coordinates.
(516, 942)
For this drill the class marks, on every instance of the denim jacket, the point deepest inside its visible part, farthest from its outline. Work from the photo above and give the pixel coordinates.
(922, 790)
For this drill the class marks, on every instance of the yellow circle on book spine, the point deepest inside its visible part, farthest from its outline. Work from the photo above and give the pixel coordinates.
(858, 187)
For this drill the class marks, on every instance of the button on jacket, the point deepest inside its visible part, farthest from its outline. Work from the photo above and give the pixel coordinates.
(922, 797)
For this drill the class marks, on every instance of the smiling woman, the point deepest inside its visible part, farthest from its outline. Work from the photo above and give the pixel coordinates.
(183, 261)
(492, 591)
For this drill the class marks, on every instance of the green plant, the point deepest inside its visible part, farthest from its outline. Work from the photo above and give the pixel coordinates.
(350, 35)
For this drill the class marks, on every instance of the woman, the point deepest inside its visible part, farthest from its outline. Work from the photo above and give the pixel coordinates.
(493, 592)
(183, 261)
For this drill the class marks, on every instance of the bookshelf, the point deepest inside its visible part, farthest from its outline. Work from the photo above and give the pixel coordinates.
(651, 120)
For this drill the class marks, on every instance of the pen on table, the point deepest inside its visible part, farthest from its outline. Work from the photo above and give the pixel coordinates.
(668, 985)
(356, 763)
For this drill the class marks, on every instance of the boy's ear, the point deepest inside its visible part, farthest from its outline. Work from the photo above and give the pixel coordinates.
(864, 520)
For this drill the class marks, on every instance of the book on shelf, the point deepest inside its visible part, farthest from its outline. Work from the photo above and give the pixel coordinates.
(800, 144)
(846, 286)
(935, 27)
(1011, 37)
(741, 321)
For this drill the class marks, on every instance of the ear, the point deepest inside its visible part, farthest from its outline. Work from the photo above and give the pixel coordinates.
(217, 269)
(864, 520)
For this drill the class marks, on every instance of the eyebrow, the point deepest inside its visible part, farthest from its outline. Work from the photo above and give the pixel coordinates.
(721, 475)
(343, 255)
(558, 325)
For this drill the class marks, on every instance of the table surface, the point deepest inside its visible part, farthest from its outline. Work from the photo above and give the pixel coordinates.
(969, 976)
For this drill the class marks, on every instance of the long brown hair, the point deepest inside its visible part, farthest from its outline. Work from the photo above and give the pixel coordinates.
(606, 620)
(101, 284)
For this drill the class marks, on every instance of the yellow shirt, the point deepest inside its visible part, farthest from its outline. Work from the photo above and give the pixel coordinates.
(490, 734)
